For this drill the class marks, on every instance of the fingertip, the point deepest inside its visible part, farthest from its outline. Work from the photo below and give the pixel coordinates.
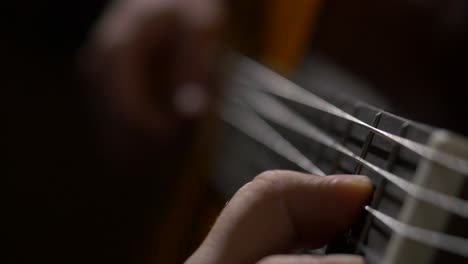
(352, 191)
(201, 14)
(191, 100)
(342, 259)
(355, 183)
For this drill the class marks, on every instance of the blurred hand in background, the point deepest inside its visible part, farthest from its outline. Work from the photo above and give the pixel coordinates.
(154, 61)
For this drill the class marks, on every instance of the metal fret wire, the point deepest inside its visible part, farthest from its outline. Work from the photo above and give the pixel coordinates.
(378, 192)
(268, 107)
(252, 125)
(282, 87)
(439, 240)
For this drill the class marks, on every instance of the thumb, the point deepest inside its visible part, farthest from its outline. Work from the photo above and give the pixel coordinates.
(282, 210)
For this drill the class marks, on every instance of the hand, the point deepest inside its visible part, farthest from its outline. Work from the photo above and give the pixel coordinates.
(152, 61)
(280, 211)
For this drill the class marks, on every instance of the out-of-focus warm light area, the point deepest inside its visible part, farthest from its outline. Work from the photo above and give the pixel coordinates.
(112, 129)
(289, 29)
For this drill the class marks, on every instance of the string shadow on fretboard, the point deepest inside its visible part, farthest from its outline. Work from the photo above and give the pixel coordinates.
(242, 157)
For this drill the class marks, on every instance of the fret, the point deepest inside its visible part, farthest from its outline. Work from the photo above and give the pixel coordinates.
(361, 139)
(380, 187)
(369, 138)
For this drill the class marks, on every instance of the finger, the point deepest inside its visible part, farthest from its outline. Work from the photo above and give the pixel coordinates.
(196, 86)
(304, 259)
(129, 41)
(281, 209)
(143, 75)
(152, 58)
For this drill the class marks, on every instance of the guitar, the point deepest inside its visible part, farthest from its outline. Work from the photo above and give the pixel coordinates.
(419, 208)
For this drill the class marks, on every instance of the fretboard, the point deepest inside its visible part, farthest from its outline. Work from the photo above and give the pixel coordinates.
(283, 126)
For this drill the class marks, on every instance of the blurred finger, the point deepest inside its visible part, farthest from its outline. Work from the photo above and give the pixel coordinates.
(196, 87)
(153, 59)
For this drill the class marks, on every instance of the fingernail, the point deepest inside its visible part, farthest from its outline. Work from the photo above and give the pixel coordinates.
(190, 100)
(342, 259)
(359, 181)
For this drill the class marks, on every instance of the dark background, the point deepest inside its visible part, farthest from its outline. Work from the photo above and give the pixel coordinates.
(74, 198)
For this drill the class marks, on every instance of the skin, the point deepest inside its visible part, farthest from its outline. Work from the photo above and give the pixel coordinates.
(142, 56)
(284, 210)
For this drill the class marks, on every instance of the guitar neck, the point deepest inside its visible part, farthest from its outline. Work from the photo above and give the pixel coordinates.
(373, 136)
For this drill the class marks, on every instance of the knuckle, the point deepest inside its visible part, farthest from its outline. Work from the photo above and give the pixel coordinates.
(263, 185)
(270, 176)
(268, 260)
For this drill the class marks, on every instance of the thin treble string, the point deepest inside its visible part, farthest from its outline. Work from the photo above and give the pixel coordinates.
(282, 87)
(450, 243)
(255, 127)
(453, 244)
(273, 110)
(249, 123)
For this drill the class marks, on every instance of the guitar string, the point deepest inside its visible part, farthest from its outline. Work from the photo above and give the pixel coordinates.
(273, 110)
(259, 130)
(280, 86)
(450, 243)
(371, 256)
(252, 125)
